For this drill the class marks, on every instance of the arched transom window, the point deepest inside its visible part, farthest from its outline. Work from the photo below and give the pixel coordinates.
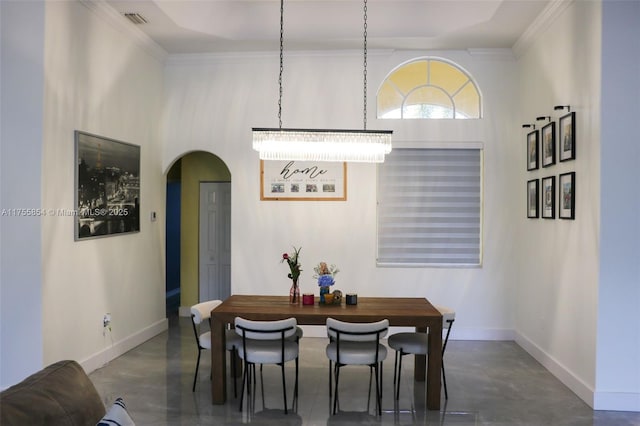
(429, 88)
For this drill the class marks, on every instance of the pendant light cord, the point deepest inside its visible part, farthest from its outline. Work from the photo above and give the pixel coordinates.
(365, 66)
(364, 72)
(281, 62)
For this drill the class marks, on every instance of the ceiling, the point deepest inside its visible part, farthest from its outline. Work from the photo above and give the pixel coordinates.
(206, 26)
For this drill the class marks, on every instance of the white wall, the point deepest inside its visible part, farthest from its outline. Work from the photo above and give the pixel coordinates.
(576, 309)
(212, 103)
(21, 83)
(99, 81)
(618, 345)
(55, 291)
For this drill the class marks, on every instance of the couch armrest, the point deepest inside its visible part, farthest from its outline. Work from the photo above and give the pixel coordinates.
(60, 394)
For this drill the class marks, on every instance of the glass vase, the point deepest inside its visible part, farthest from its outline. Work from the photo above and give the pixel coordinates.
(294, 293)
(323, 290)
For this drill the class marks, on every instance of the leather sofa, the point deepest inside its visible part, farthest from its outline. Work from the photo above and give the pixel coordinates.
(60, 394)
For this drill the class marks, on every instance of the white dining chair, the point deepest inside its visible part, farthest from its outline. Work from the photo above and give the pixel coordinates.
(268, 342)
(356, 344)
(417, 343)
(202, 312)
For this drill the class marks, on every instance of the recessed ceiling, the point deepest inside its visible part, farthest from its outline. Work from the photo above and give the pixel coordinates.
(199, 26)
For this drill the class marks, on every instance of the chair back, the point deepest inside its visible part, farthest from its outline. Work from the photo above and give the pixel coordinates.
(357, 332)
(266, 330)
(448, 316)
(202, 311)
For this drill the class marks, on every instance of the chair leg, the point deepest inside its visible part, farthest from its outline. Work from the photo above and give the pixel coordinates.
(233, 369)
(284, 389)
(378, 392)
(444, 383)
(335, 391)
(295, 389)
(244, 382)
(395, 370)
(399, 375)
(195, 377)
(369, 391)
(381, 386)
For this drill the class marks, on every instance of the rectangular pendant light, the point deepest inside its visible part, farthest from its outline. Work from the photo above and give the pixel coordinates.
(322, 144)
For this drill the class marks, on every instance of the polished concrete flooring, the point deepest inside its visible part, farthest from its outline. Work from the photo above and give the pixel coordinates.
(489, 383)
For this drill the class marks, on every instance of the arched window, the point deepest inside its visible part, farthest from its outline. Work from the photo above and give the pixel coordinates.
(429, 88)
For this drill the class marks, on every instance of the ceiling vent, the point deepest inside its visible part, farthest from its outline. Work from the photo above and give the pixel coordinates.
(136, 18)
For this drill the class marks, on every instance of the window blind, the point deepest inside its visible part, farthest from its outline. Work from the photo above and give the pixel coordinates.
(429, 207)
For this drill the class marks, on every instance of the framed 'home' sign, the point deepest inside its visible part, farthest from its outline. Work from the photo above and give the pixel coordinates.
(303, 180)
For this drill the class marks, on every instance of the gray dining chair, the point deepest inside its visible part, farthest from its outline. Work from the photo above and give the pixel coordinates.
(202, 312)
(417, 343)
(356, 344)
(268, 342)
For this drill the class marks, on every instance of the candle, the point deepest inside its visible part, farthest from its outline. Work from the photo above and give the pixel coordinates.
(307, 299)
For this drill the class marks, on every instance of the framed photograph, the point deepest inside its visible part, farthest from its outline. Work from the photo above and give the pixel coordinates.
(549, 144)
(107, 187)
(532, 150)
(567, 137)
(303, 181)
(548, 197)
(532, 198)
(567, 196)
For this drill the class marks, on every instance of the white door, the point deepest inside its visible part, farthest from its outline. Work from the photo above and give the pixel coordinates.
(215, 241)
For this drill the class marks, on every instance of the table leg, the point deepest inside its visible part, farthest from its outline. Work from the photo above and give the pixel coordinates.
(218, 362)
(434, 364)
(420, 362)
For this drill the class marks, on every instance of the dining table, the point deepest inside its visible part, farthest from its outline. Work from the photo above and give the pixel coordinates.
(415, 312)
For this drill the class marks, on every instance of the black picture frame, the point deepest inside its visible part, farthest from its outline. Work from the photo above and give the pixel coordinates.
(548, 150)
(567, 196)
(548, 199)
(107, 187)
(533, 199)
(567, 137)
(532, 150)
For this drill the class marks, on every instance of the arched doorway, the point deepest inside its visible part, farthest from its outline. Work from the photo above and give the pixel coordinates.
(184, 181)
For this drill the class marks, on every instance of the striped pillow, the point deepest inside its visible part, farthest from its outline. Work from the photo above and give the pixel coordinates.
(117, 415)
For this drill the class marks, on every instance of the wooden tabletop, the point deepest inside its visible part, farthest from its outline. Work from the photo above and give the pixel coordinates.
(400, 311)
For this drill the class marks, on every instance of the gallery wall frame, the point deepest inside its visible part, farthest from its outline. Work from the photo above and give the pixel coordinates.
(532, 150)
(567, 196)
(567, 137)
(533, 198)
(107, 186)
(548, 136)
(548, 197)
(303, 180)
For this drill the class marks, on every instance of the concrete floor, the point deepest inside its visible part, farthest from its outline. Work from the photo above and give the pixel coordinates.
(489, 383)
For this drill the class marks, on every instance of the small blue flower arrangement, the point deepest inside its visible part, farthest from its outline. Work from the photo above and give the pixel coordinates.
(325, 273)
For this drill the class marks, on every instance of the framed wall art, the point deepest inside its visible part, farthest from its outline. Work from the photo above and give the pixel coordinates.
(532, 150)
(303, 180)
(107, 186)
(549, 144)
(567, 137)
(532, 198)
(567, 196)
(548, 197)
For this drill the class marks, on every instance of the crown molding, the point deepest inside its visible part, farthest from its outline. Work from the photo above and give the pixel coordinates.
(122, 25)
(540, 25)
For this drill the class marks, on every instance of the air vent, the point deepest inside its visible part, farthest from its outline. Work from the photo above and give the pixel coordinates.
(136, 18)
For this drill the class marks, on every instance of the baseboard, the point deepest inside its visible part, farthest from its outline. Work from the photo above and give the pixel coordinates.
(562, 373)
(616, 401)
(116, 349)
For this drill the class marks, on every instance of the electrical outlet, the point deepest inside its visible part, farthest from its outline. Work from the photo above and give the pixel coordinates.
(106, 320)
